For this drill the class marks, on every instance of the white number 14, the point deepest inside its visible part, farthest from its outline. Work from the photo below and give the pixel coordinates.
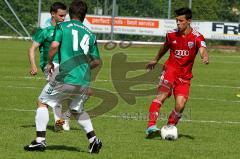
(84, 44)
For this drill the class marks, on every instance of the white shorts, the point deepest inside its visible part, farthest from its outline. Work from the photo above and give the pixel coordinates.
(55, 72)
(55, 93)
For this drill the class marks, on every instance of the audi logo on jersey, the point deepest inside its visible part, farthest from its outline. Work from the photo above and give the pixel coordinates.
(181, 53)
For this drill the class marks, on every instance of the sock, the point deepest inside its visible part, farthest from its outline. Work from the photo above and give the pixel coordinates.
(67, 115)
(91, 136)
(41, 135)
(154, 112)
(57, 111)
(84, 121)
(174, 117)
(41, 118)
(40, 139)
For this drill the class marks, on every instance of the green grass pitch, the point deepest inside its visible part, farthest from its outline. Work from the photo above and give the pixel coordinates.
(210, 127)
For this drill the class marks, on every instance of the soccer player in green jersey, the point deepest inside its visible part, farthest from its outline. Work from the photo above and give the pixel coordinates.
(78, 54)
(42, 39)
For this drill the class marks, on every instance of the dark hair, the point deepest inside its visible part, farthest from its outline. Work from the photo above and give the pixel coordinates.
(184, 11)
(57, 5)
(78, 9)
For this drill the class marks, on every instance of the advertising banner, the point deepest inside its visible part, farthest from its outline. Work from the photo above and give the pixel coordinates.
(154, 27)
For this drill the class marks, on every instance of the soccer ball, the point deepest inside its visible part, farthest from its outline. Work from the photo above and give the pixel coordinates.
(169, 132)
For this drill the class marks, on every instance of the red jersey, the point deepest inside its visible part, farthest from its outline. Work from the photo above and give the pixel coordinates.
(183, 51)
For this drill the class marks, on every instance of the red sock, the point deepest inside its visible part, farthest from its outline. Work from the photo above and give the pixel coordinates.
(154, 112)
(174, 117)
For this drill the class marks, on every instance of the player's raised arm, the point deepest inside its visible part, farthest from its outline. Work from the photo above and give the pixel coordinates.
(162, 51)
(31, 57)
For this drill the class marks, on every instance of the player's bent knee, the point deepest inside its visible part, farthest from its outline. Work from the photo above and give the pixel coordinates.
(156, 100)
(181, 102)
(180, 105)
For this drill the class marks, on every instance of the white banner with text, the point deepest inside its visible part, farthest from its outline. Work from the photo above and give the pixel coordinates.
(154, 27)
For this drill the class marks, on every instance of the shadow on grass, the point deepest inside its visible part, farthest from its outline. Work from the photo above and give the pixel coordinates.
(157, 136)
(49, 127)
(63, 147)
(154, 136)
(186, 136)
(28, 126)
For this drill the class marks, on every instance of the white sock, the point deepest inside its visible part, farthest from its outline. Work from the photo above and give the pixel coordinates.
(91, 139)
(41, 118)
(40, 139)
(57, 112)
(84, 121)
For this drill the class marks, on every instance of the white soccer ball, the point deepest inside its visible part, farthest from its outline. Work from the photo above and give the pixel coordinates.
(169, 132)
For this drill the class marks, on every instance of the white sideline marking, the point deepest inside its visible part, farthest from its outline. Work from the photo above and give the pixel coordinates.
(20, 87)
(237, 56)
(104, 80)
(212, 99)
(18, 110)
(25, 77)
(214, 86)
(194, 98)
(182, 120)
(135, 118)
(209, 99)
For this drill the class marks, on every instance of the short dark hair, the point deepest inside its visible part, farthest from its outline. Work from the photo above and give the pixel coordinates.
(57, 5)
(78, 9)
(184, 11)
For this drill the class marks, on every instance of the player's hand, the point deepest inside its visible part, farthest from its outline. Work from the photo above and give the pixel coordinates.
(205, 60)
(89, 91)
(151, 65)
(33, 70)
(50, 68)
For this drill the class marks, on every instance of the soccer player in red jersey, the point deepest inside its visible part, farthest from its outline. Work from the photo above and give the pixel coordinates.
(184, 43)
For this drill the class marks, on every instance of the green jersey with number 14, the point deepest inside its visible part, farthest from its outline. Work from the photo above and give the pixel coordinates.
(77, 48)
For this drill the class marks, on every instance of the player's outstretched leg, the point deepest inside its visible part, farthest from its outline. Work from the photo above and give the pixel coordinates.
(84, 121)
(152, 130)
(41, 120)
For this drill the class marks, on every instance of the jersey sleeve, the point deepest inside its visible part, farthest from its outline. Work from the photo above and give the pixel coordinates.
(200, 41)
(93, 49)
(58, 33)
(39, 36)
(166, 43)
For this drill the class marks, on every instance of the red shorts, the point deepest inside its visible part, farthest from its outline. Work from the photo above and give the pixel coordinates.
(170, 83)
